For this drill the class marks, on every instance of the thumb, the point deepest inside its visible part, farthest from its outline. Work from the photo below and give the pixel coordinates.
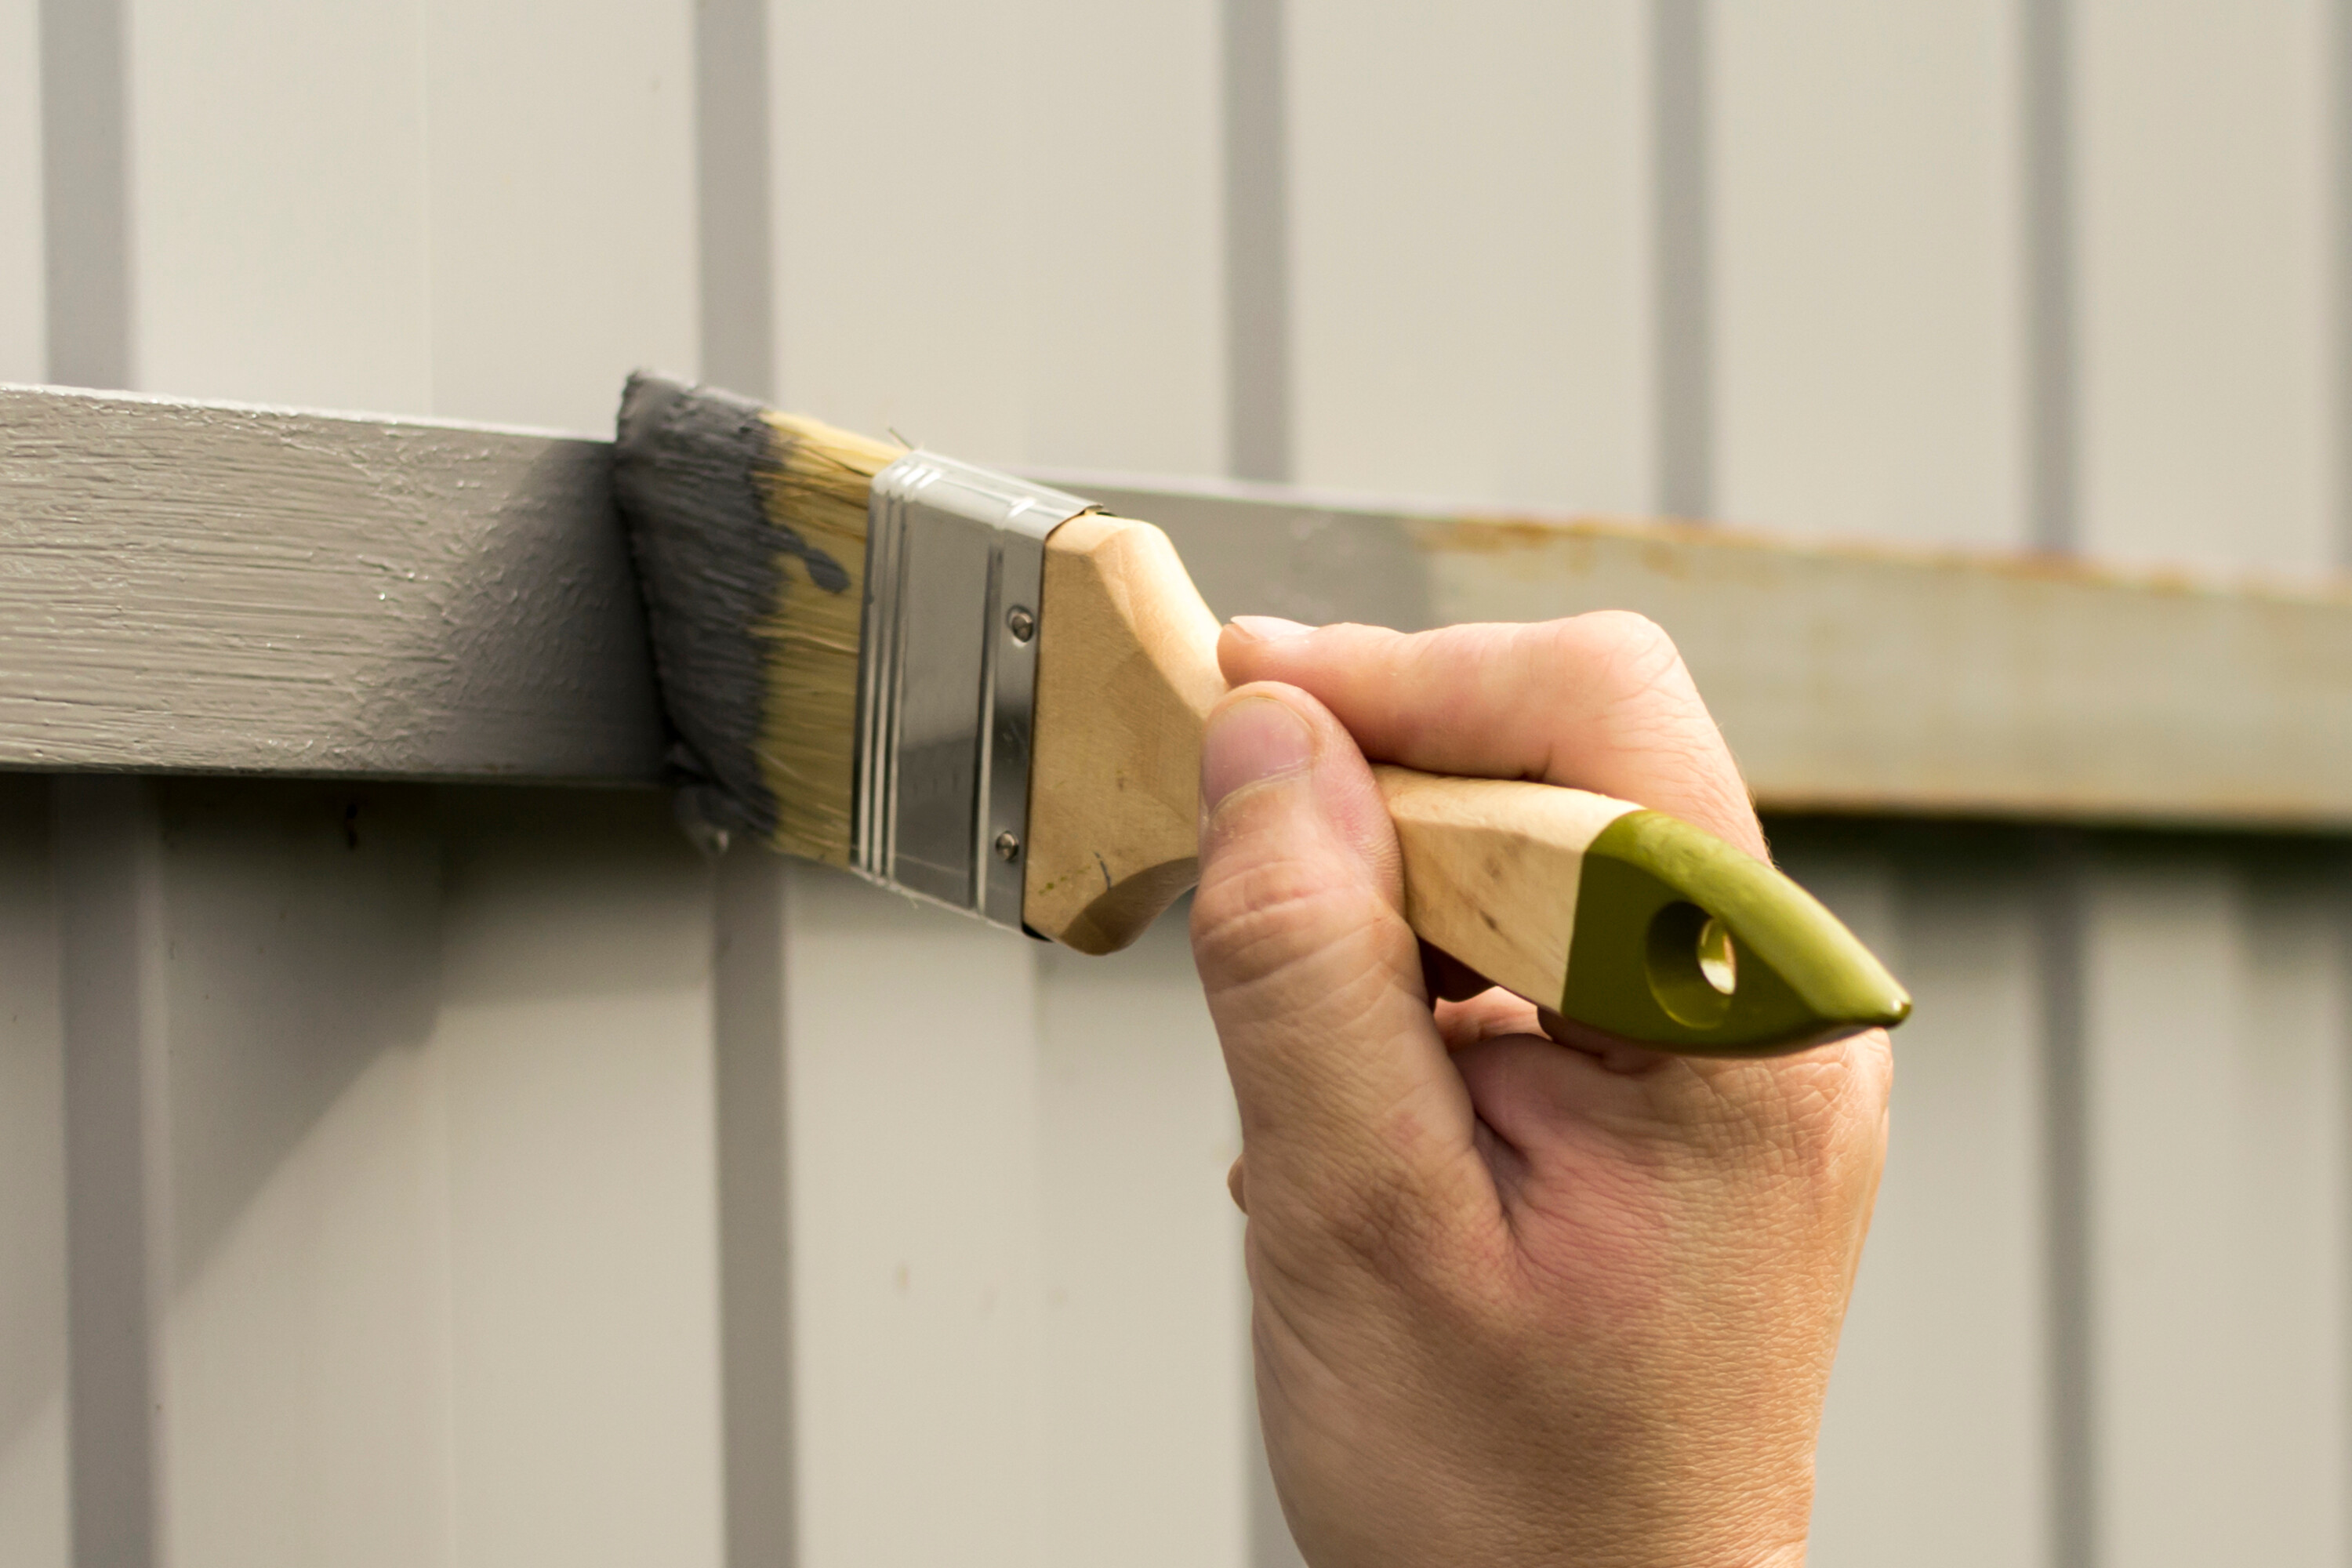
(1347, 1100)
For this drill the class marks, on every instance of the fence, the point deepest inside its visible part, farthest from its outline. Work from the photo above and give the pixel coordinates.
(410, 1172)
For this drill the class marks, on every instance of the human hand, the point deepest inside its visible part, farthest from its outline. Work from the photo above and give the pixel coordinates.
(1517, 1299)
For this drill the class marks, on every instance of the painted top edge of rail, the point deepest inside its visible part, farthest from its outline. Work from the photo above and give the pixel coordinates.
(292, 411)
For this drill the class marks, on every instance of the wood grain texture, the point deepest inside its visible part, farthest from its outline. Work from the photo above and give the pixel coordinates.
(1126, 670)
(203, 588)
(1858, 678)
(1491, 867)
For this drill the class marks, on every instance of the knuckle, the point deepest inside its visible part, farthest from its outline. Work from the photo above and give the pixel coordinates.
(1630, 645)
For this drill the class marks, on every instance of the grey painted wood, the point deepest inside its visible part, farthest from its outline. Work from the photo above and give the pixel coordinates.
(205, 588)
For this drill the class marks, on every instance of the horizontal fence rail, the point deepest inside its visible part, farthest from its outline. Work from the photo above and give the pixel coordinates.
(203, 587)
(195, 587)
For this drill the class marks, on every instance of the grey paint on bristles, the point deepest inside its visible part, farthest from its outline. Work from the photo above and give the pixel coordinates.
(687, 464)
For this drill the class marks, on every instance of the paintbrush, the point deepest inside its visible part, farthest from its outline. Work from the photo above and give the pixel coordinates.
(988, 694)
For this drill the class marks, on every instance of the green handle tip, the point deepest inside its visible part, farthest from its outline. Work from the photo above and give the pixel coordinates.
(1684, 942)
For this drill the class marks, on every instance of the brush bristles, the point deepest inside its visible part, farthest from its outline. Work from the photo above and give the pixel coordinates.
(816, 486)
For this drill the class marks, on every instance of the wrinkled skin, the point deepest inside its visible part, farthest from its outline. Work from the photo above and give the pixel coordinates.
(1518, 1298)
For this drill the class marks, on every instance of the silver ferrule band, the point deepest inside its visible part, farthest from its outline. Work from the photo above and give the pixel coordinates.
(947, 680)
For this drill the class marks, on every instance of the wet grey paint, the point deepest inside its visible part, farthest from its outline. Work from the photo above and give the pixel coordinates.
(201, 588)
(685, 469)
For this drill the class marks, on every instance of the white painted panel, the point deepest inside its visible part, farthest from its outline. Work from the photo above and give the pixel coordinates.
(2215, 1031)
(2205, 266)
(279, 203)
(23, 328)
(440, 1142)
(562, 181)
(1015, 1274)
(1469, 227)
(1014, 254)
(1869, 318)
(2206, 260)
(34, 1517)
(1146, 1357)
(304, 1386)
(1123, 270)
(913, 1137)
(1933, 1449)
(1868, 311)
(575, 1038)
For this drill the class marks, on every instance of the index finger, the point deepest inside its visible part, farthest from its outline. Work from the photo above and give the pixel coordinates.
(1599, 702)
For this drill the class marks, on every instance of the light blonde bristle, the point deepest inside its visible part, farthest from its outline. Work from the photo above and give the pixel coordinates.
(818, 486)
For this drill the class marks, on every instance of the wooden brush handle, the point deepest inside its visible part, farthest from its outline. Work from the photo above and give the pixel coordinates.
(1128, 670)
(1627, 921)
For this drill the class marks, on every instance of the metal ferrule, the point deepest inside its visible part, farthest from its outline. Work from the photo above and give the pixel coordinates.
(947, 680)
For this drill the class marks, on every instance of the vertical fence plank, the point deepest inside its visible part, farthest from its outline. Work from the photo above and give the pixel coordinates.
(755, 1262)
(2205, 276)
(106, 852)
(2215, 1144)
(1870, 380)
(34, 1465)
(561, 168)
(913, 1131)
(584, 1171)
(2207, 427)
(85, 190)
(24, 320)
(1868, 287)
(442, 1257)
(576, 1040)
(277, 247)
(1682, 213)
(1932, 1447)
(1016, 257)
(302, 1375)
(1469, 223)
(1142, 1264)
(1258, 376)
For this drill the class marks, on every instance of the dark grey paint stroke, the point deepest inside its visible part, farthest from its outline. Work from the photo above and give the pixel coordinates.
(685, 469)
(85, 191)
